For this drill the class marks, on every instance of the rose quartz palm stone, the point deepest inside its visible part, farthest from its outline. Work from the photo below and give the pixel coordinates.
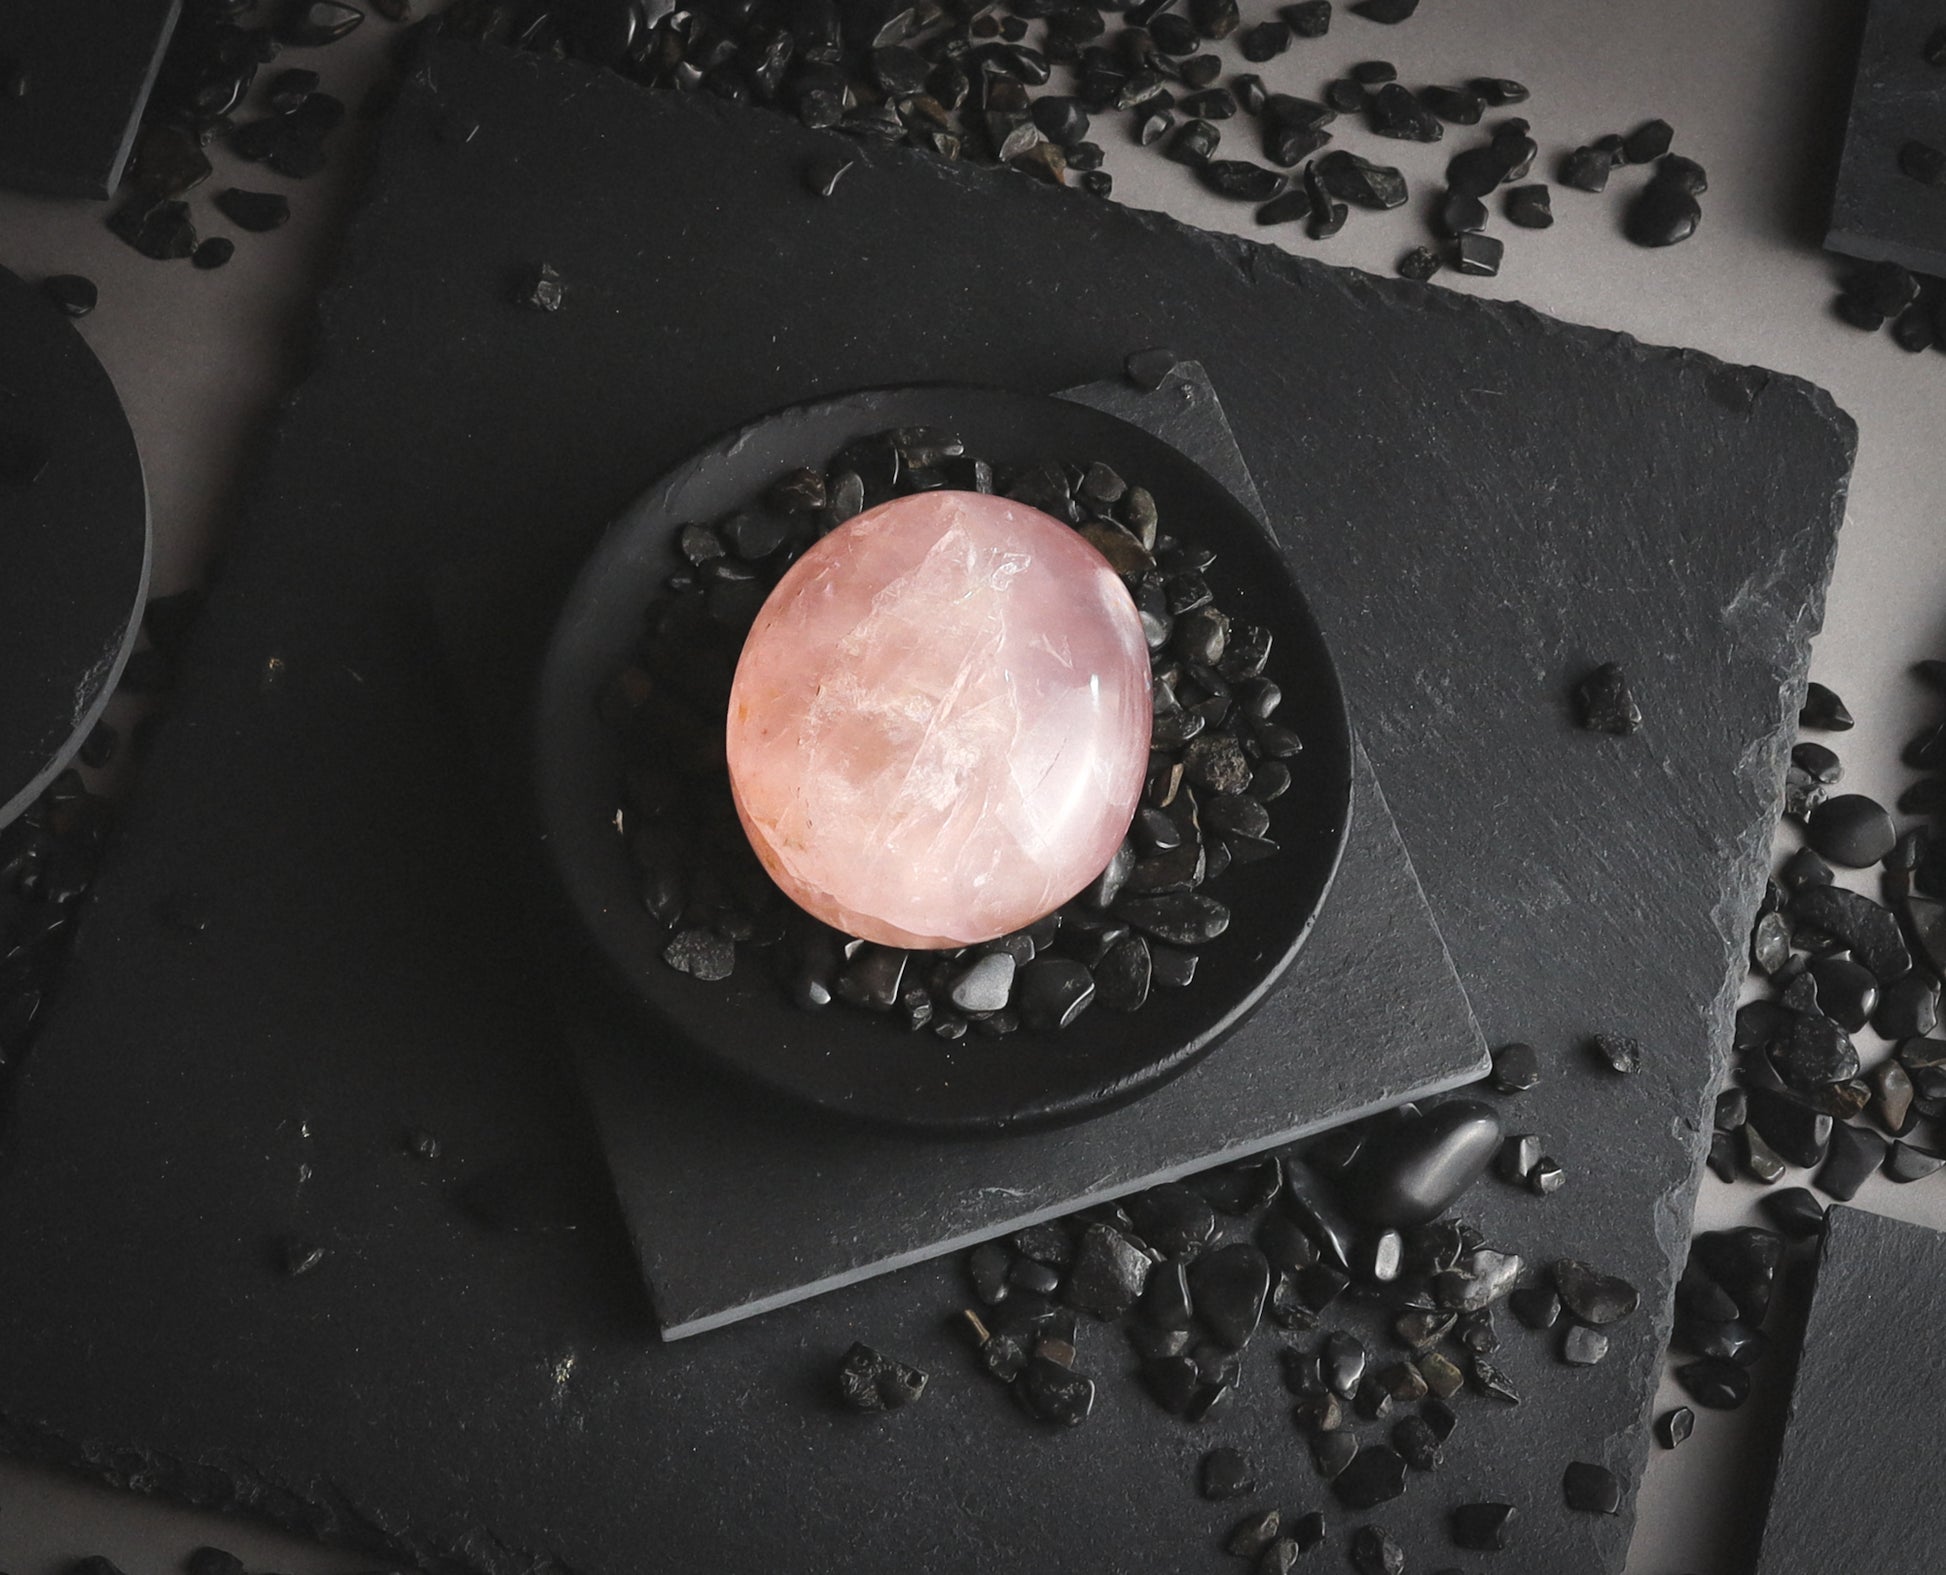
(939, 726)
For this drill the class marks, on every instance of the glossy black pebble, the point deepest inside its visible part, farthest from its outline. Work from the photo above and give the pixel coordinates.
(1648, 142)
(1108, 1274)
(1479, 255)
(1516, 1068)
(1852, 830)
(1593, 1297)
(1674, 1426)
(1376, 1474)
(1716, 1382)
(73, 294)
(1591, 1488)
(1587, 169)
(1847, 992)
(1530, 207)
(1413, 1168)
(256, 211)
(1822, 709)
(1229, 1286)
(1795, 1211)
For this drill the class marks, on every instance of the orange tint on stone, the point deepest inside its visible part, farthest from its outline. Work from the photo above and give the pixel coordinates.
(939, 727)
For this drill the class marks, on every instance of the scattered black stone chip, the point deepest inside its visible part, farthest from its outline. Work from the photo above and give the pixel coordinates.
(1345, 96)
(1480, 255)
(1373, 1552)
(213, 253)
(1462, 214)
(1674, 1426)
(1529, 207)
(541, 290)
(1823, 710)
(1230, 1286)
(1516, 1068)
(1292, 207)
(1499, 91)
(1225, 1474)
(1593, 1297)
(71, 292)
(1794, 1211)
(1715, 1382)
(1374, 73)
(701, 953)
(1591, 1488)
(1395, 111)
(1055, 1394)
(1484, 1528)
(1266, 41)
(1194, 143)
(1108, 1274)
(1307, 18)
(1419, 264)
(1375, 1475)
(869, 1381)
(160, 230)
(1386, 11)
(1586, 169)
(1870, 931)
(1648, 142)
(1457, 106)
(1361, 182)
(256, 211)
(1617, 1052)
(1240, 179)
(1664, 213)
(1250, 1536)
(1907, 1162)
(1148, 370)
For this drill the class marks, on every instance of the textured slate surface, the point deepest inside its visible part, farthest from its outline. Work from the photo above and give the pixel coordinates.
(1878, 211)
(74, 543)
(89, 66)
(1483, 501)
(737, 1206)
(1857, 1483)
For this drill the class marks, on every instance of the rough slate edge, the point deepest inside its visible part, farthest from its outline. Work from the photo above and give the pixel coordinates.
(1878, 212)
(1857, 1484)
(1785, 629)
(105, 40)
(1376, 971)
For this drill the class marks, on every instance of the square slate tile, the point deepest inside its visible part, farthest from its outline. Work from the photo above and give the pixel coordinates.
(88, 66)
(1857, 1483)
(1483, 503)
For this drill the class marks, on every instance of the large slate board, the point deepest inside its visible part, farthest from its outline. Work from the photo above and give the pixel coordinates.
(737, 1206)
(1857, 1482)
(1483, 502)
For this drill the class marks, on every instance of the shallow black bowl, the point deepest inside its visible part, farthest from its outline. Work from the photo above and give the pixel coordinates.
(840, 1059)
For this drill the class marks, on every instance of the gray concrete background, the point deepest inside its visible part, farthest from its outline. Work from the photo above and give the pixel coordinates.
(1756, 91)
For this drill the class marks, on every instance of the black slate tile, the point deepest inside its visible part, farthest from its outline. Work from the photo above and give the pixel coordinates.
(88, 66)
(336, 818)
(1857, 1479)
(1879, 210)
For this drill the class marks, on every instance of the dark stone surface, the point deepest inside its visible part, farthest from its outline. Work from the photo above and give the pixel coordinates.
(1856, 1484)
(88, 67)
(448, 1347)
(1878, 211)
(74, 546)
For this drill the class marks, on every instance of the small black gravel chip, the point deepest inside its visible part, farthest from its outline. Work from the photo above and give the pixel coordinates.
(1593, 1489)
(1647, 142)
(1823, 710)
(1456, 106)
(1307, 18)
(1593, 1297)
(1484, 1528)
(256, 211)
(1419, 264)
(1605, 702)
(1715, 1382)
(540, 290)
(1582, 1346)
(1225, 1474)
(1386, 11)
(1361, 182)
(1345, 96)
(1194, 143)
(1289, 208)
(1148, 370)
(73, 294)
(1499, 91)
(1395, 111)
(1240, 179)
(1923, 162)
(701, 953)
(869, 1381)
(1266, 41)
(1617, 1052)
(213, 253)
(160, 230)
(1516, 1068)
(1249, 1537)
(1479, 255)
(1530, 208)
(1662, 214)
(1906, 1163)
(1462, 214)
(1586, 169)
(1374, 73)
(1210, 104)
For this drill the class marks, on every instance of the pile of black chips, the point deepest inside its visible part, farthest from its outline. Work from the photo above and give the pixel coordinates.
(1834, 962)
(1381, 1308)
(1874, 294)
(1218, 761)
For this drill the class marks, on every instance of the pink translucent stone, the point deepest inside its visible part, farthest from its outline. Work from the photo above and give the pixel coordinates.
(940, 722)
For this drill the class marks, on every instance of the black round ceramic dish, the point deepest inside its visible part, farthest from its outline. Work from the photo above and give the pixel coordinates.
(835, 1059)
(74, 542)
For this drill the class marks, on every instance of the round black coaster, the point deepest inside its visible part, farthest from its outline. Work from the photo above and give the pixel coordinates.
(74, 542)
(833, 1060)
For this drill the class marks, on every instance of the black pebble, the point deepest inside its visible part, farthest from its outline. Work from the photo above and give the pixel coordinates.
(1396, 112)
(1847, 993)
(1795, 1211)
(1906, 1163)
(1529, 207)
(1587, 169)
(1617, 1052)
(1373, 1552)
(1386, 11)
(1345, 96)
(1591, 1488)
(701, 953)
(1648, 142)
(1052, 992)
(160, 230)
(1480, 255)
(1419, 264)
(1251, 1536)
(1240, 179)
(1715, 1382)
(1908, 1008)
(1148, 370)
(1374, 73)
(256, 211)
(1516, 1068)
(1593, 1297)
(1457, 106)
(1462, 214)
(1230, 1286)
(1823, 710)
(1375, 1476)
(1307, 18)
(1226, 1474)
(1499, 91)
(1056, 1394)
(1266, 41)
(1662, 214)
(73, 294)
(1821, 763)
(1290, 208)
(869, 1381)
(1108, 1274)
(1852, 830)
(1484, 1528)
(1854, 1155)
